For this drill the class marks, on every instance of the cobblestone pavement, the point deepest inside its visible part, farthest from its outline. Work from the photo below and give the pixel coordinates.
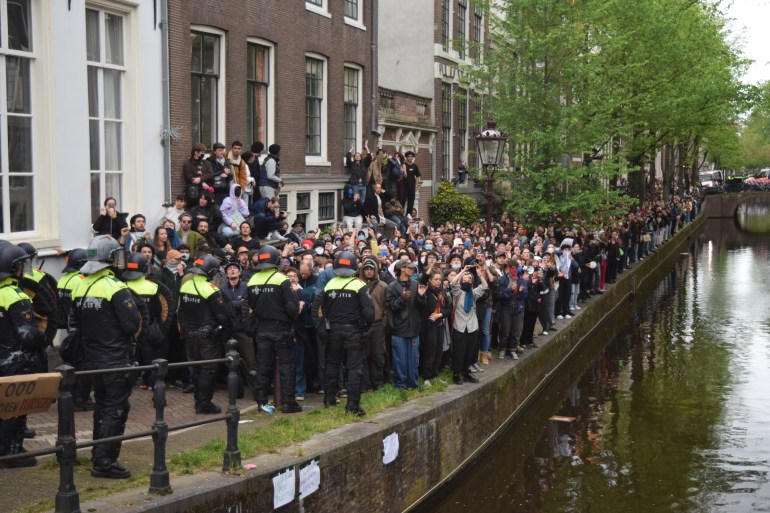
(180, 408)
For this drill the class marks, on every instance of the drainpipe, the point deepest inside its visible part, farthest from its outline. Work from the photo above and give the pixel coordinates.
(166, 131)
(373, 26)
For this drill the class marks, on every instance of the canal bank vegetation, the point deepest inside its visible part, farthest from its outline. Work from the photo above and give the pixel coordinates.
(265, 434)
(594, 93)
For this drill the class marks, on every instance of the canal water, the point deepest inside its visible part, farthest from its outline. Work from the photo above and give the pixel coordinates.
(673, 415)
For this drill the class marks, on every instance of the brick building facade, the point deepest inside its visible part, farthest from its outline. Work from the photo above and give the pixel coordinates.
(293, 73)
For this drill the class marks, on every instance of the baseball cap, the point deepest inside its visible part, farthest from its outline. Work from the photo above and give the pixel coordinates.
(173, 255)
(405, 263)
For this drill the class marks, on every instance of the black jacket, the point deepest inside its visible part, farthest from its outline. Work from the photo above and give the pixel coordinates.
(403, 314)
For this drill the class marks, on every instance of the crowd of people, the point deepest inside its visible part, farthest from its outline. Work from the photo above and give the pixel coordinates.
(381, 299)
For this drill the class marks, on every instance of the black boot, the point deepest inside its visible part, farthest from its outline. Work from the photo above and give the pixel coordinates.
(207, 408)
(355, 410)
(110, 470)
(457, 379)
(291, 407)
(471, 378)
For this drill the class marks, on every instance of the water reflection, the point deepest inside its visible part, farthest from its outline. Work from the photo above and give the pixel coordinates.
(753, 216)
(673, 415)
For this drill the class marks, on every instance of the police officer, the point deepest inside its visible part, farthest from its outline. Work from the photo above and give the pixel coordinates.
(41, 288)
(348, 311)
(203, 314)
(19, 340)
(151, 341)
(107, 319)
(274, 306)
(70, 280)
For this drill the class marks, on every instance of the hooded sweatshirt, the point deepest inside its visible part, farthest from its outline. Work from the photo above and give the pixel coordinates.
(231, 204)
(376, 292)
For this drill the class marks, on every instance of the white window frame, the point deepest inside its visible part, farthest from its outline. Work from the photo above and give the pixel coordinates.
(221, 135)
(355, 22)
(321, 160)
(322, 9)
(270, 88)
(34, 115)
(101, 117)
(359, 106)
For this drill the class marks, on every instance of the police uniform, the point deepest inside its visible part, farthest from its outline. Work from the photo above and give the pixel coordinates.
(107, 318)
(202, 312)
(348, 310)
(152, 342)
(275, 306)
(19, 340)
(68, 283)
(39, 287)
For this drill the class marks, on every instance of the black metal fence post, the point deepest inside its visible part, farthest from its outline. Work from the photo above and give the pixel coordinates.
(67, 498)
(232, 458)
(159, 477)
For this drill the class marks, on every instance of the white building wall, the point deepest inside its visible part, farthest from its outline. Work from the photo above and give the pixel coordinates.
(61, 128)
(405, 46)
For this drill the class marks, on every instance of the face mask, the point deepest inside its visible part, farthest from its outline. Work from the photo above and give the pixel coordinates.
(466, 286)
(171, 266)
(456, 267)
(467, 244)
(429, 247)
(185, 256)
(422, 260)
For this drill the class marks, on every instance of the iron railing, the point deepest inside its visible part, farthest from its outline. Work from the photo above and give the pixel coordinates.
(67, 497)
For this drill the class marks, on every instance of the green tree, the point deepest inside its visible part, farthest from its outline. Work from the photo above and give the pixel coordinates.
(449, 205)
(616, 79)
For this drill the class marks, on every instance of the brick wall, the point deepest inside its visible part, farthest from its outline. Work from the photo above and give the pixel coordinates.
(294, 31)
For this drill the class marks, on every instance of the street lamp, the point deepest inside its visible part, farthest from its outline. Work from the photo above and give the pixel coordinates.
(490, 144)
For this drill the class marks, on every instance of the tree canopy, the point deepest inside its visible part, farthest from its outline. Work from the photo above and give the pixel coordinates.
(592, 89)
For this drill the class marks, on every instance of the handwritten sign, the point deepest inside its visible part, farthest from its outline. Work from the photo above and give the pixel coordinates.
(284, 487)
(309, 478)
(27, 393)
(389, 448)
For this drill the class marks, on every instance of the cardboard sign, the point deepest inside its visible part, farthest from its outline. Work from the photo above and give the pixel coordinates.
(27, 393)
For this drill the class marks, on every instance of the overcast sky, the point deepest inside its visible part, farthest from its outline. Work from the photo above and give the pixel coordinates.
(751, 27)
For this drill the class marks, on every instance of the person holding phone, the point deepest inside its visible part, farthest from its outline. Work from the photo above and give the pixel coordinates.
(465, 325)
(110, 221)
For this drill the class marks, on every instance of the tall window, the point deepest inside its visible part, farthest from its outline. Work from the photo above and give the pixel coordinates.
(478, 25)
(204, 80)
(16, 117)
(351, 9)
(314, 91)
(106, 72)
(319, 3)
(462, 120)
(445, 25)
(462, 20)
(258, 83)
(352, 107)
(446, 131)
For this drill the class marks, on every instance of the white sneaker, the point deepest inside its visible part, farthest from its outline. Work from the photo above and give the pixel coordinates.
(561, 317)
(577, 307)
(568, 316)
(514, 356)
(427, 383)
(545, 333)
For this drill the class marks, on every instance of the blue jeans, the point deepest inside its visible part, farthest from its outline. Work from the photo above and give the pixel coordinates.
(406, 359)
(300, 386)
(486, 322)
(226, 230)
(361, 190)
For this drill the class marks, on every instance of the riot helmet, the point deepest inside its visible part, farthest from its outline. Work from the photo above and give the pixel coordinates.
(345, 264)
(268, 258)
